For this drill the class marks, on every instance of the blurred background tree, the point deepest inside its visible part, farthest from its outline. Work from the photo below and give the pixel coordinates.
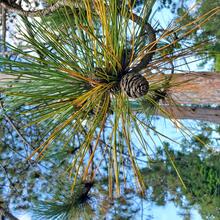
(209, 32)
(199, 170)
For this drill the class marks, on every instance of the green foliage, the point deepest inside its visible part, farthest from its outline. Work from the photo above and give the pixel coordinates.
(40, 185)
(66, 206)
(200, 172)
(66, 79)
(210, 32)
(217, 62)
(67, 84)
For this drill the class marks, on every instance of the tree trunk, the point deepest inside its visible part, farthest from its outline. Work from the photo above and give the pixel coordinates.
(193, 113)
(200, 88)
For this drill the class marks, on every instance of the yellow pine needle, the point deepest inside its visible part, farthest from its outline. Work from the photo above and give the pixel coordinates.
(78, 101)
(123, 169)
(178, 54)
(83, 98)
(170, 158)
(103, 153)
(80, 155)
(85, 150)
(178, 20)
(168, 33)
(144, 125)
(105, 49)
(101, 11)
(185, 131)
(105, 109)
(53, 136)
(133, 40)
(88, 13)
(177, 123)
(79, 76)
(88, 140)
(89, 135)
(110, 178)
(91, 24)
(134, 166)
(175, 168)
(210, 14)
(105, 150)
(115, 161)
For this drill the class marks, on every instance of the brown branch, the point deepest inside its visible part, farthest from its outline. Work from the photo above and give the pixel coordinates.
(200, 88)
(193, 113)
(36, 13)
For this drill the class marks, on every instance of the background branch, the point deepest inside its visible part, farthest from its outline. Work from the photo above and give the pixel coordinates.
(3, 49)
(36, 13)
(7, 214)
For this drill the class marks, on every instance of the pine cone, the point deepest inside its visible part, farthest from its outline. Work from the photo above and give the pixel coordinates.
(134, 85)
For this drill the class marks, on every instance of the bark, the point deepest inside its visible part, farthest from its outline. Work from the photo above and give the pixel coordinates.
(193, 113)
(200, 88)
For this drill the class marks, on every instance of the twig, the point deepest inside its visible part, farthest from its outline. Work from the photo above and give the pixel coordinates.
(19, 134)
(14, 127)
(8, 178)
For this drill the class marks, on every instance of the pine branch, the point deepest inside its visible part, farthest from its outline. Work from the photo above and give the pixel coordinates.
(36, 13)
